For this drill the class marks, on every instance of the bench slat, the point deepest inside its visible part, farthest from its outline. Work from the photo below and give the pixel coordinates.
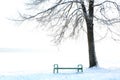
(66, 68)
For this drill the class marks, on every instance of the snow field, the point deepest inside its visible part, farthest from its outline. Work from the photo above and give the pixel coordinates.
(88, 74)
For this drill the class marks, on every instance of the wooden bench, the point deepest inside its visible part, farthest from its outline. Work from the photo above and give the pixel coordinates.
(78, 68)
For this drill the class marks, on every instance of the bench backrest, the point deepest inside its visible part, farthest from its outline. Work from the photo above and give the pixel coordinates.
(78, 66)
(55, 65)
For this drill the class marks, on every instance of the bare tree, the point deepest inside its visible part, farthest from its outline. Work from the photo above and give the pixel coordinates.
(66, 18)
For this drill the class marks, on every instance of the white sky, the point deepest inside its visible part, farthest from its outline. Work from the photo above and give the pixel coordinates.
(26, 48)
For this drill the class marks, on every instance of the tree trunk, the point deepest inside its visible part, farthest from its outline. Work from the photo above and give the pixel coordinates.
(90, 35)
(91, 46)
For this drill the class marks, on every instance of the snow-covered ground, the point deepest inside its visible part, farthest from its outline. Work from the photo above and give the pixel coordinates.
(88, 74)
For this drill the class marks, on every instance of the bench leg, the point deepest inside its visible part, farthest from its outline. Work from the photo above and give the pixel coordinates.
(82, 70)
(55, 70)
(78, 70)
